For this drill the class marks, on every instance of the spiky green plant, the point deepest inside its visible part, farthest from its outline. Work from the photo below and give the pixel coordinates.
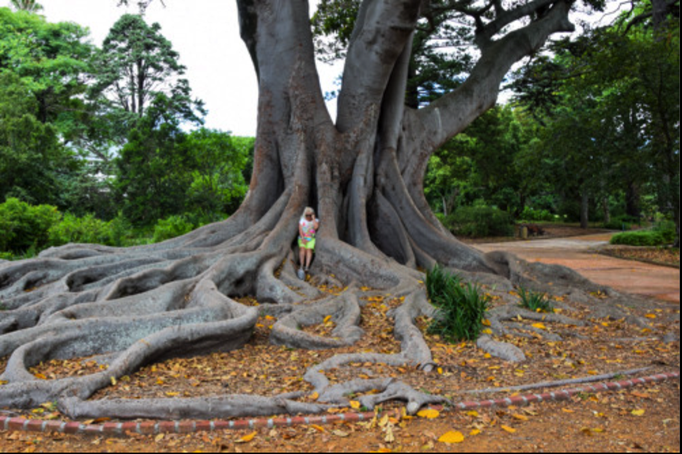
(536, 302)
(461, 308)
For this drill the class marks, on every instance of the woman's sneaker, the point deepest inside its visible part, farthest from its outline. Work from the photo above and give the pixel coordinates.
(301, 274)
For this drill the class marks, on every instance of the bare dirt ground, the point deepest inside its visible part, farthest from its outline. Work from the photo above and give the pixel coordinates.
(582, 253)
(643, 418)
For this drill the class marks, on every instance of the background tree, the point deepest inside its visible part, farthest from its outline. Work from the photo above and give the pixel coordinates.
(615, 94)
(136, 64)
(30, 6)
(363, 170)
(34, 165)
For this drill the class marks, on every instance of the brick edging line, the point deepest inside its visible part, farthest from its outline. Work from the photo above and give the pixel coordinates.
(184, 427)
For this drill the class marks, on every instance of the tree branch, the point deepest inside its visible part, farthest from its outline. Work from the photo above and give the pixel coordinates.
(504, 18)
(453, 112)
(380, 36)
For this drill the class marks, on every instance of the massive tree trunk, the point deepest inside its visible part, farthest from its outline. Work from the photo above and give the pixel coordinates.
(364, 172)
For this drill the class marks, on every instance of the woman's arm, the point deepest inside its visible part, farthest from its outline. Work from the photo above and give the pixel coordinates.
(300, 233)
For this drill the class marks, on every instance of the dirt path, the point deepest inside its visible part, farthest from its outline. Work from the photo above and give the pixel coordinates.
(579, 253)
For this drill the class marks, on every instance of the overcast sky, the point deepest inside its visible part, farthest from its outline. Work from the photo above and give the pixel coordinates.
(206, 34)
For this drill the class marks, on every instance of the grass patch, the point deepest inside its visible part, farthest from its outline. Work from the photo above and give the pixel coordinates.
(461, 307)
(536, 302)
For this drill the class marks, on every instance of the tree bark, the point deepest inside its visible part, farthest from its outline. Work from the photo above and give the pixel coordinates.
(584, 208)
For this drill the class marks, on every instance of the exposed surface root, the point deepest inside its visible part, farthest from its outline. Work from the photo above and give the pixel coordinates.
(199, 408)
(558, 383)
(137, 306)
(344, 311)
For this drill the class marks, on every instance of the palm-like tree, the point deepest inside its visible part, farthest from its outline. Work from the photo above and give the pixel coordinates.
(27, 5)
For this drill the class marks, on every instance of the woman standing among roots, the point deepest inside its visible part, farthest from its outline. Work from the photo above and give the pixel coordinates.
(307, 227)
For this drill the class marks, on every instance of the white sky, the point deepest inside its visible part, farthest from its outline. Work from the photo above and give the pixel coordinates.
(206, 35)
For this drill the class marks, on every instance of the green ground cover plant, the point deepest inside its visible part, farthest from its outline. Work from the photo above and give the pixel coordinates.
(536, 302)
(461, 307)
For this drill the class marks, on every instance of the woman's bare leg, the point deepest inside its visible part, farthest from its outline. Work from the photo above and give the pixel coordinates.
(302, 256)
(308, 258)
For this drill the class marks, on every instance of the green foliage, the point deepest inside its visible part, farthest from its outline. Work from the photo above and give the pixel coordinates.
(72, 229)
(171, 227)
(53, 62)
(615, 127)
(136, 64)
(530, 214)
(643, 238)
(30, 6)
(33, 162)
(23, 226)
(163, 171)
(480, 221)
(151, 171)
(218, 182)
(461, 308)
(536, 302)
(624, 222)
(121, 232)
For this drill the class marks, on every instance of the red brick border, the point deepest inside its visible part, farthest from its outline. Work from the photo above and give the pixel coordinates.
(154, 427)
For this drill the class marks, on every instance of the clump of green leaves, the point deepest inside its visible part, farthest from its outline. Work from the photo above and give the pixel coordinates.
(171, 227)
(461, 307)
(536, 302)
(23, 226)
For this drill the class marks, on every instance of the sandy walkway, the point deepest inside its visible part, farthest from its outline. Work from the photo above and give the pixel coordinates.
(579, 254)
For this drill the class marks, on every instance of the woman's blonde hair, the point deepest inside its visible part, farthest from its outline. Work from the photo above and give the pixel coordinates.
(308, 210)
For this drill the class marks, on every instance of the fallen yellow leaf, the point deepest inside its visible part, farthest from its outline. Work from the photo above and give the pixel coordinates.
(355, 404)
(428, 413)
(650, 315)
(538, 326)
(520, 417)
(246, 438)
(637, 412)
(486, 322)
(474, 432)
(451, 437)
(508, 429)
(318, 428)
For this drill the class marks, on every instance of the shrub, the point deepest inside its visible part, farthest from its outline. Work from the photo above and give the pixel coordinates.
(640, 238)
(530, 214)
(668, 229)
(120, 232)
(621, 223)
(461, 308)
(617, 224)
(72, 229)
(480, 222)
(536, 302)
(171, 227)
(23, 226)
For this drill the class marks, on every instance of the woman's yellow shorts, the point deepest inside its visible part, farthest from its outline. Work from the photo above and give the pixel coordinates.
(309, 245)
